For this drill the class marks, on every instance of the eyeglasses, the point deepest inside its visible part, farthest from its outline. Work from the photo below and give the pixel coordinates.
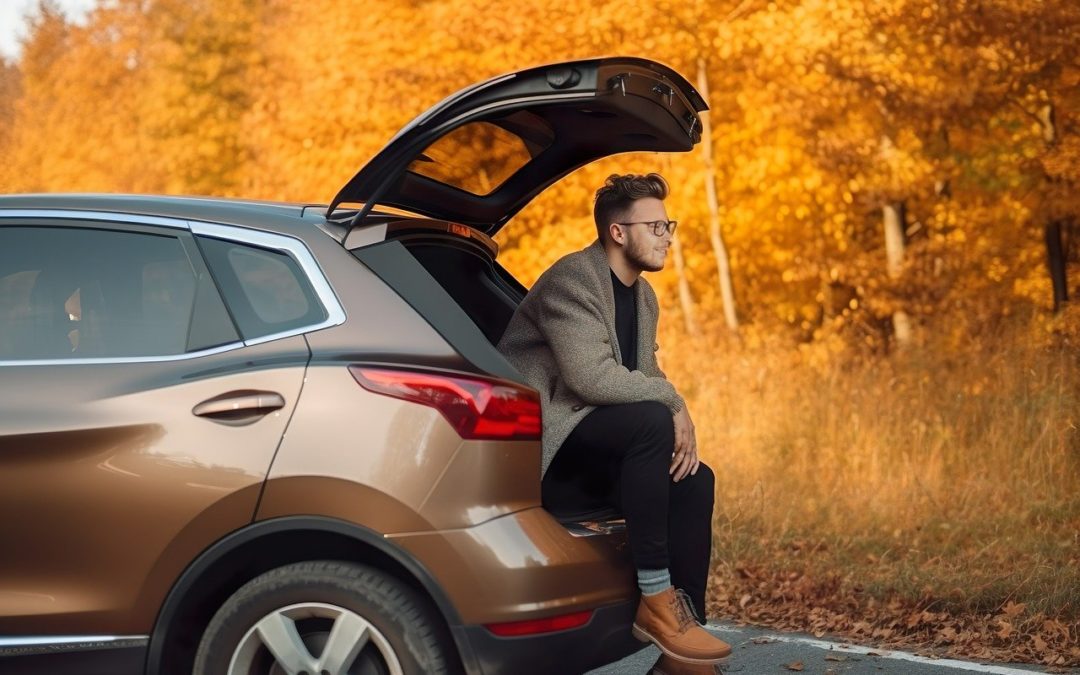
(659, 227)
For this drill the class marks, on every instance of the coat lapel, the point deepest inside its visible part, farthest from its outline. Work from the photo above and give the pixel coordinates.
(646, 325)
(607, 294)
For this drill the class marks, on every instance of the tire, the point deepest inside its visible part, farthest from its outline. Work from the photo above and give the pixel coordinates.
(297, 608)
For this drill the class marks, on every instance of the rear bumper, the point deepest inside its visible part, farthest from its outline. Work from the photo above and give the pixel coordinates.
(523, 566)
(604, 639)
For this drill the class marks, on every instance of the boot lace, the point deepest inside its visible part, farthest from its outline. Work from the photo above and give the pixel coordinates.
(681, 605)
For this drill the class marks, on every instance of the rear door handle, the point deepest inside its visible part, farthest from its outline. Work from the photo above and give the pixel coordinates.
(237, 408)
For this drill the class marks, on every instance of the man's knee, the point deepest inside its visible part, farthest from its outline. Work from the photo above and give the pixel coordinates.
(653, 426)
(705, 477)
(700, 486)
(649, 428)
(653, 417)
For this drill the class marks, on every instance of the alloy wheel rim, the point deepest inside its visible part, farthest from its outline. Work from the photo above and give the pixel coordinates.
(280, 635)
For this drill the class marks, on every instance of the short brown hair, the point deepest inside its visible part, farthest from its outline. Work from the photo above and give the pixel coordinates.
(619, 193)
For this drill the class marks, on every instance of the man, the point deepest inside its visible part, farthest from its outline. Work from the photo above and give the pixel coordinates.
(616, 433)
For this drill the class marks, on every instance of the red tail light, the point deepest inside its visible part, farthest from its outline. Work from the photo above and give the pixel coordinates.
(535, 626)
(478, 408)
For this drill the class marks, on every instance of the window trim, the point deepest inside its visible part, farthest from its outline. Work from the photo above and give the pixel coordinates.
(243, 235)
(335, 314)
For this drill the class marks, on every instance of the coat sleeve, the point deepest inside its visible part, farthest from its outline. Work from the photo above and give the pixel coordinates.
(573, 326)
(652, 367)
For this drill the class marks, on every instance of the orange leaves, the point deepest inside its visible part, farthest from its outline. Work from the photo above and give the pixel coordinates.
(825, 608)
(946, 635)
(822, 110)
(1013, 609)
(1057, 629)
(917, 618)
(1005, 630)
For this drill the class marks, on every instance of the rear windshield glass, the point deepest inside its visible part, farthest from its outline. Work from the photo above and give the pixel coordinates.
(480, 156)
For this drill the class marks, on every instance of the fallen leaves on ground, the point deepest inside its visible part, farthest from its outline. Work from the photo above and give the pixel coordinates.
(826, 606)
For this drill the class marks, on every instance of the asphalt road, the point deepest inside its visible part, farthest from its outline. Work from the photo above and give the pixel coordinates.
(761, 651)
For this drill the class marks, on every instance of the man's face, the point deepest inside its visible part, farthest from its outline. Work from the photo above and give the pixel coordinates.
(643, 249)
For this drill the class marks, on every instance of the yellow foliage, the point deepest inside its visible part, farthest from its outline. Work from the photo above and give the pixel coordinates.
(822, 112)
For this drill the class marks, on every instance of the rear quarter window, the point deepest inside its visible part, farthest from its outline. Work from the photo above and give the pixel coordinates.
(266, 290)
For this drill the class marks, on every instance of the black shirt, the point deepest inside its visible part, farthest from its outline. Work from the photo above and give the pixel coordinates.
(626, 321)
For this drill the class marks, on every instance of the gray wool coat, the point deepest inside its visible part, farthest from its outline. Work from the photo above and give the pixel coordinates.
(562, 340)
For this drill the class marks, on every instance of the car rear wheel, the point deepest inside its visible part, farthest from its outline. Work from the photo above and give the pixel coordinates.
(323, 618)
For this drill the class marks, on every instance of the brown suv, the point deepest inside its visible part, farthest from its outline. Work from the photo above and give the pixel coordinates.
(242, 437)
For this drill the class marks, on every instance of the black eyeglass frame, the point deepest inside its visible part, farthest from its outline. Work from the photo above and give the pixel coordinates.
(658, 226)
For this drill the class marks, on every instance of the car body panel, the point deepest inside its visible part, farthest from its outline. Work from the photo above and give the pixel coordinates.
(501, 476)
(127, 467)
(402, 272)
(381, 443)
(330, 497)
(373, 447)
(384, 329)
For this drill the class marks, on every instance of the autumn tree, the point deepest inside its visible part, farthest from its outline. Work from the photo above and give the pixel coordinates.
(43, 54)
(10, 86)
(869, 161)
(199, 57)
(1058, 113)
(78, 125)
(872, 91)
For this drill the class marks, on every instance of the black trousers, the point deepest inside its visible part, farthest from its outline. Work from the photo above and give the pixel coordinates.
(619, 456)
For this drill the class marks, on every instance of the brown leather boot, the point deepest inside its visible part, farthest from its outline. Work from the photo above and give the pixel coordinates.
(666, 620)
(665, 665)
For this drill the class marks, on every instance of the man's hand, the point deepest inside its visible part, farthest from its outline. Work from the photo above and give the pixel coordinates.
(685, 460)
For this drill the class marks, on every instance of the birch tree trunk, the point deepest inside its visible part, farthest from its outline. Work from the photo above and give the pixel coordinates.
(893, 220)
(686, 298)
(723, 267)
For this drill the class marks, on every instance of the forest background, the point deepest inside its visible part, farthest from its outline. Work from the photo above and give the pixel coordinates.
(867, 307)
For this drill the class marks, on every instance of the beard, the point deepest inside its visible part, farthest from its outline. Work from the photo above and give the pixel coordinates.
(640, 253)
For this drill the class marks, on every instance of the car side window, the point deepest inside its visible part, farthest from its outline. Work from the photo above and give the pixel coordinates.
(266, 290)
(74, 293)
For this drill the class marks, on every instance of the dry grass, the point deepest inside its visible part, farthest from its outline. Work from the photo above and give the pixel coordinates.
(944, 480)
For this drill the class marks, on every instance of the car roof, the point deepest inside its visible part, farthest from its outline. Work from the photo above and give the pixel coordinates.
(263, 215)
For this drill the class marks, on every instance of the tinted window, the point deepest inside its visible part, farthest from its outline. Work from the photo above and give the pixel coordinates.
(89, 293)
(480, 156)
(266, 290)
